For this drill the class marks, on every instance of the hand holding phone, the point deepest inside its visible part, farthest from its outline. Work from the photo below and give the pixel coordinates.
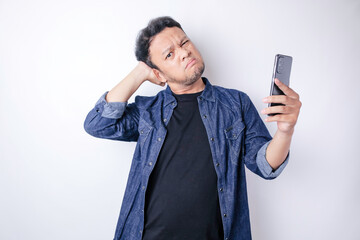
(281, 71)
(289, 100)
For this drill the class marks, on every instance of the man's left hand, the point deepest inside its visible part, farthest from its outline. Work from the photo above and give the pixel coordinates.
(288, 114)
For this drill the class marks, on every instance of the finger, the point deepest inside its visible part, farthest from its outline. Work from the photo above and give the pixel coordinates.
(278, 109)
(279, 118)
(159, 83)
(286, 100)
(287, 90)
(276, 118)
(289, 118)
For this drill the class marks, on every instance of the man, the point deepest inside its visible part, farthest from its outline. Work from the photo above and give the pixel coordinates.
(187, 177)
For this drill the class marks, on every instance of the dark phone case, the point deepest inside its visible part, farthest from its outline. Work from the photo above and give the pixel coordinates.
(281, 71)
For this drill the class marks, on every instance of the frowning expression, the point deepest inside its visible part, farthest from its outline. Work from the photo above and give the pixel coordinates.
(176, 56)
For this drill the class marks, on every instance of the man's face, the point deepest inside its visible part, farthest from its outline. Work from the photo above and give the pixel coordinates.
(176, 56)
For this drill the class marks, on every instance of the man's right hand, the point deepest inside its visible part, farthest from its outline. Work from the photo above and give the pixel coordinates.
(148, 73)
(126, 88)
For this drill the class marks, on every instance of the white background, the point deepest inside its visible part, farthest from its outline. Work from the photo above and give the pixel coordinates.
(58, 57)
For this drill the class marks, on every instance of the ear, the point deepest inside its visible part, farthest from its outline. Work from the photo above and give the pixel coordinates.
(159, 75)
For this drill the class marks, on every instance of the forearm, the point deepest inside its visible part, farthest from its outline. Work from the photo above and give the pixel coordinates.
(126, 88)
(278, 148)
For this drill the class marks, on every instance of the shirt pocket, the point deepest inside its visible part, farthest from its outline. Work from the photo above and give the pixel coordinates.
(144, 130)
(234, 136)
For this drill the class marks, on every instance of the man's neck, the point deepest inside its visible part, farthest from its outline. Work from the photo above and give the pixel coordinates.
(197, 86)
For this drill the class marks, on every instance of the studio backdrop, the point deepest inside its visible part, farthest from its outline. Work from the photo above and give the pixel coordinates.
(58, 57)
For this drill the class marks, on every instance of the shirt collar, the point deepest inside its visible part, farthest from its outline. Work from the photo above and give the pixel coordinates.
(207, 94)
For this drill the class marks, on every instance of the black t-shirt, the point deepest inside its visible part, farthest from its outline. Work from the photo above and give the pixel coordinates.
(181, 200)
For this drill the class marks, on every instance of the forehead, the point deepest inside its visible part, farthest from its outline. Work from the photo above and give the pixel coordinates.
(166, 38)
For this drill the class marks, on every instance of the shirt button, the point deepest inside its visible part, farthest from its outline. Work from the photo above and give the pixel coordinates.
(224, 214)
(97, 110)
(150, 163)
(165, 119)
(159, 139)
(141, 132)
(201, 98)
(173, 104)
(143, 187)
(221, 189)
(217, 164)
(212, 139)
(205, 116)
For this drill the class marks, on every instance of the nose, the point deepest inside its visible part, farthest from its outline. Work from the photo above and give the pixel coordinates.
(185, 52)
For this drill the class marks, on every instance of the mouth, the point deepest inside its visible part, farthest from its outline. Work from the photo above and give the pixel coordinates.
(190, 63)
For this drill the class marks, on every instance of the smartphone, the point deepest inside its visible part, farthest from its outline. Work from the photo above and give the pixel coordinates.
(281, 71)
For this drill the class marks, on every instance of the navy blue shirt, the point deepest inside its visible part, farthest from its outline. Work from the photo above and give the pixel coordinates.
(236, 134)
(181, 199)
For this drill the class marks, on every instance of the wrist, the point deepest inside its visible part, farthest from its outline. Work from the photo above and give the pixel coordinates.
(142, 72)
(285, 134)
(138, 75)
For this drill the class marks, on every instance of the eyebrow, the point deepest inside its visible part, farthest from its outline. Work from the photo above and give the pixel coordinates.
(167, 49)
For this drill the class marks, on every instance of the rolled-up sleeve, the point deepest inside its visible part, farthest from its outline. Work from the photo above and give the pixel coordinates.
(113, 120)
(267, 171)
(112, 110)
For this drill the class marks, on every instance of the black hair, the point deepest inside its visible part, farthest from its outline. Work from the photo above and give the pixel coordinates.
(145, 36)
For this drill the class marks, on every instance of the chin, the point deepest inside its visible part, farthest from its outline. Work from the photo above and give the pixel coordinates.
(198, 72)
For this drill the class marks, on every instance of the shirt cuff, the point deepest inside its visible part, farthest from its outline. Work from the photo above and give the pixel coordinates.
(264, 165)
(112, 110)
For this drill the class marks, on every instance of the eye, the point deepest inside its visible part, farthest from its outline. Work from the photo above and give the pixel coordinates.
(169, 55)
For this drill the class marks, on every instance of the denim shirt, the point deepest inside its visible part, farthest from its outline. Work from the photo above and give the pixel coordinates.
(236, 134)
